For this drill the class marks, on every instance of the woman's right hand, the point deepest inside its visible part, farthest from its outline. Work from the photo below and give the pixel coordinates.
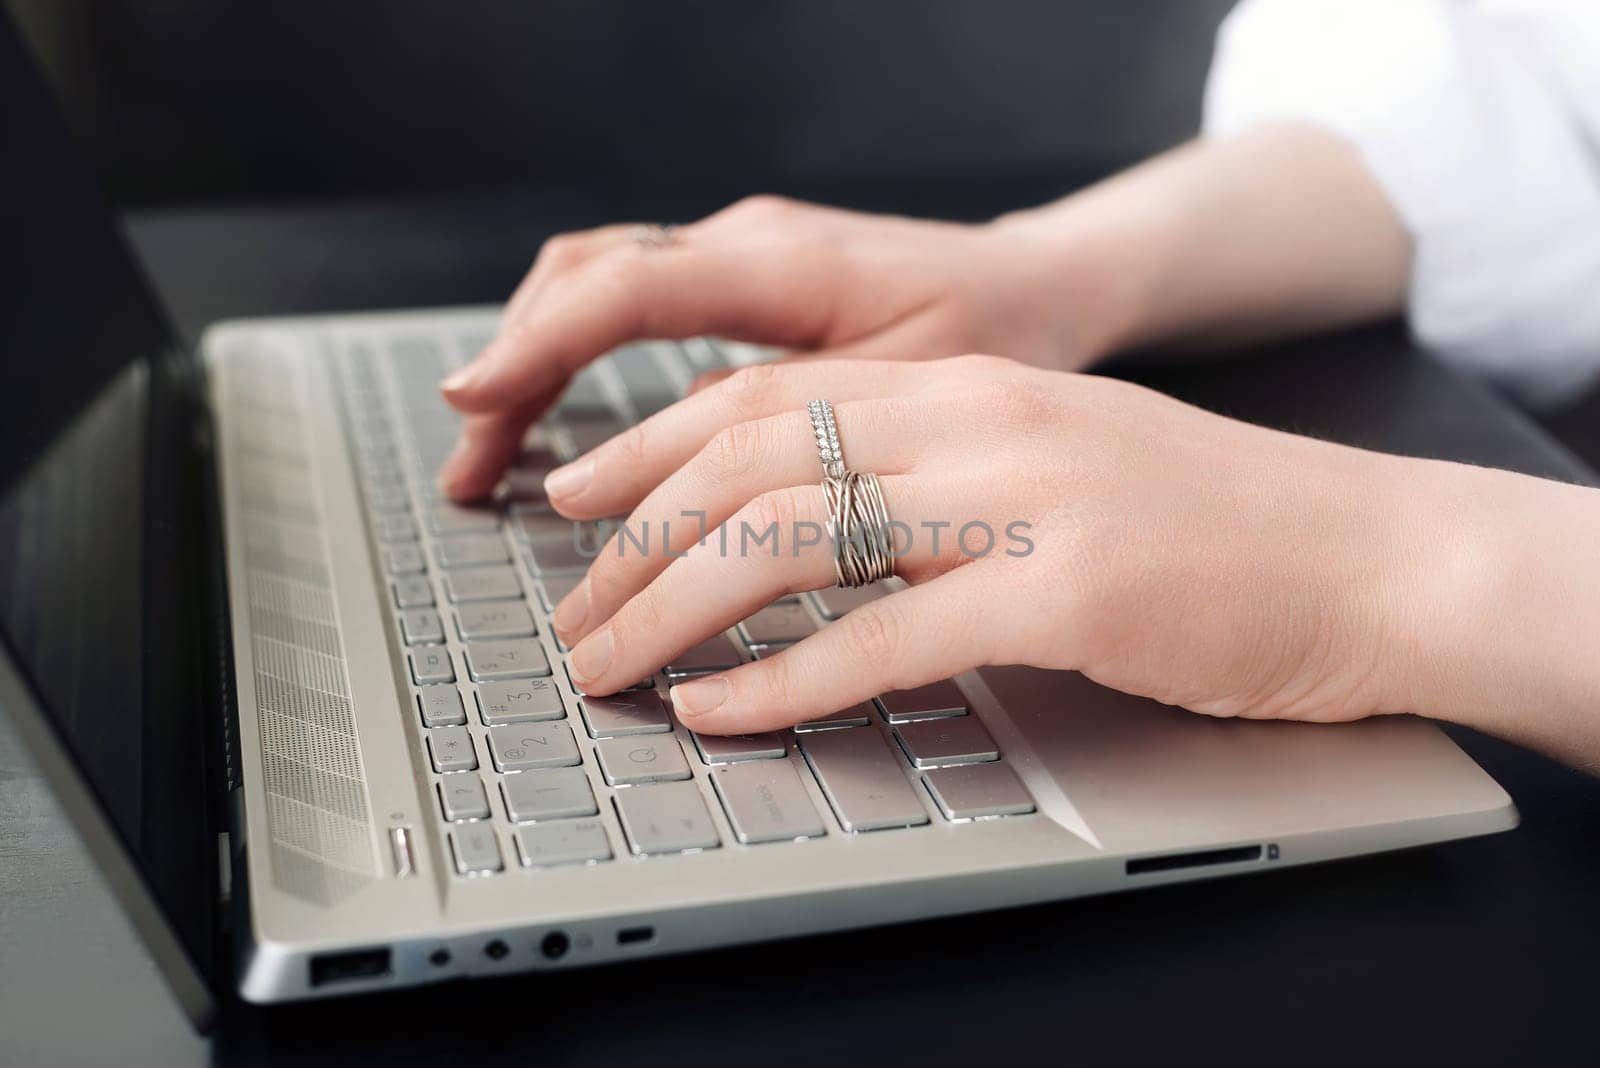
(820, 281)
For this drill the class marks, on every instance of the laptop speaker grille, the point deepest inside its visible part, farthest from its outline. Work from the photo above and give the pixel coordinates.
(318, 819)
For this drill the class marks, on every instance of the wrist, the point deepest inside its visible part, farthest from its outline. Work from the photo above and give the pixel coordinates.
(1501, 610)
(1083, 273)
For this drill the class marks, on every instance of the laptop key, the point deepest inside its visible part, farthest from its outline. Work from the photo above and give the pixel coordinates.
(666, 818)
(530, 746)
(395, 527)
(525, 486)
(511, 658)
(647, 683)
(440, 706)
(590, 432)
(431, 665)
(835, 601)
(522, 701)
(475, 848)
(632, 761)
(554, 588)
(625, 714)
(975, 791)
(540, 526)
(641, 371)
(461, 797)
(496, 582)
(766, 802)
(935, 700)
(714, 654)
(559, 793)
(862, 780)
(777, 624)
(575, 552)
(387, 499)
(494, 619)
(735, 748)
(935, 743)
(421, 626)
(854, 716)
(451, 750)
(470, 550)
(446, 519)
(546, 845)
(403, 559)
(413, 591)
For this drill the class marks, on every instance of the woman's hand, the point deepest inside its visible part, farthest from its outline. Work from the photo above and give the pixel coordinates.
(818, 280)
(1275, 232)
(1157, 548)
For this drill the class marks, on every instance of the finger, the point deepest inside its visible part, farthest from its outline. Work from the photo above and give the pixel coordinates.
(759, 290)
(739, 465)
(487, 446)
(774, 546)
(617, 474)
(563, 252)
(917, 636)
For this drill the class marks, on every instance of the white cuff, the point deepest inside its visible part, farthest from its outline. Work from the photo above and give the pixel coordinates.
(1466, 130)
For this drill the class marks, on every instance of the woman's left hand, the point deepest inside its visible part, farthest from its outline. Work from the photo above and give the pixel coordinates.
(1082, 522)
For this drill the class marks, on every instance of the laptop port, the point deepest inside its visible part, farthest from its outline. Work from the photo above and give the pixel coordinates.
(1198, 859)
(555, 945)
(634, 936)
(496, 950)
(356, 964)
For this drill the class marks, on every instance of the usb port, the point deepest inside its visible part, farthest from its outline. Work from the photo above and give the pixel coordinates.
(355, 964)
(633, 936)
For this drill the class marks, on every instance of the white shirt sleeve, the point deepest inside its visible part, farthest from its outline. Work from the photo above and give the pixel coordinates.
(1480, 119)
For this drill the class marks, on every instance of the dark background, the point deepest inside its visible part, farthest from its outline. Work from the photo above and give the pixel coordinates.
(254, 99)
(960, 108)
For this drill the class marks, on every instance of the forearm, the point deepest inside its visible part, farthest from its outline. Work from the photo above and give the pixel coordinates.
(1502, 627)
(1277, 232)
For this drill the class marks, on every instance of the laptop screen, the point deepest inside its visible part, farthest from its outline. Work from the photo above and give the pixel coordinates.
(103, 562)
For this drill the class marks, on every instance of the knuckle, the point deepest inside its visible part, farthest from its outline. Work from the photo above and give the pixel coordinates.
(875, 633)
(632, 446)
(779, 688)
(643, 615)
(773, 509)
(560, 250)
(748, 390)
(764, 206)
(620, 270)
(734, 452)
(1011, 400)
(980, 365)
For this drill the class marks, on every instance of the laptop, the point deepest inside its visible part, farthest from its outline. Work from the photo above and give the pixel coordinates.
(311, 720)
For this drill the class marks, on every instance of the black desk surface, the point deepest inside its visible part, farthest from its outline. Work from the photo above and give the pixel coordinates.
(1480, 951)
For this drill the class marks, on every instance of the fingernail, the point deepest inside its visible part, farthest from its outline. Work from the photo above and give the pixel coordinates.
(464, 378)
(700, 696)
(569, 481)
(592, 656)
(572, 611)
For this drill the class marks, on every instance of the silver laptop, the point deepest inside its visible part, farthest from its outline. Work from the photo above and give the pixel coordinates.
(312, 720)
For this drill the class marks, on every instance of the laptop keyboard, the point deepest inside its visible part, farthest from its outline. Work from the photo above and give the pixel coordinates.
(522, 763)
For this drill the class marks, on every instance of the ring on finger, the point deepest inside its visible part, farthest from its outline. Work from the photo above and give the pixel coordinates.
(655, 235)
(827, 434)
(858, 524)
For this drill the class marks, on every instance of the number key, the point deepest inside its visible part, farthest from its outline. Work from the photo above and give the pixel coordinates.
(519, 702)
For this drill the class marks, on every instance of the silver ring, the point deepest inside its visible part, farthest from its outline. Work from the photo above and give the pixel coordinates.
(827, 434)
(655, 235)
(858, 523)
